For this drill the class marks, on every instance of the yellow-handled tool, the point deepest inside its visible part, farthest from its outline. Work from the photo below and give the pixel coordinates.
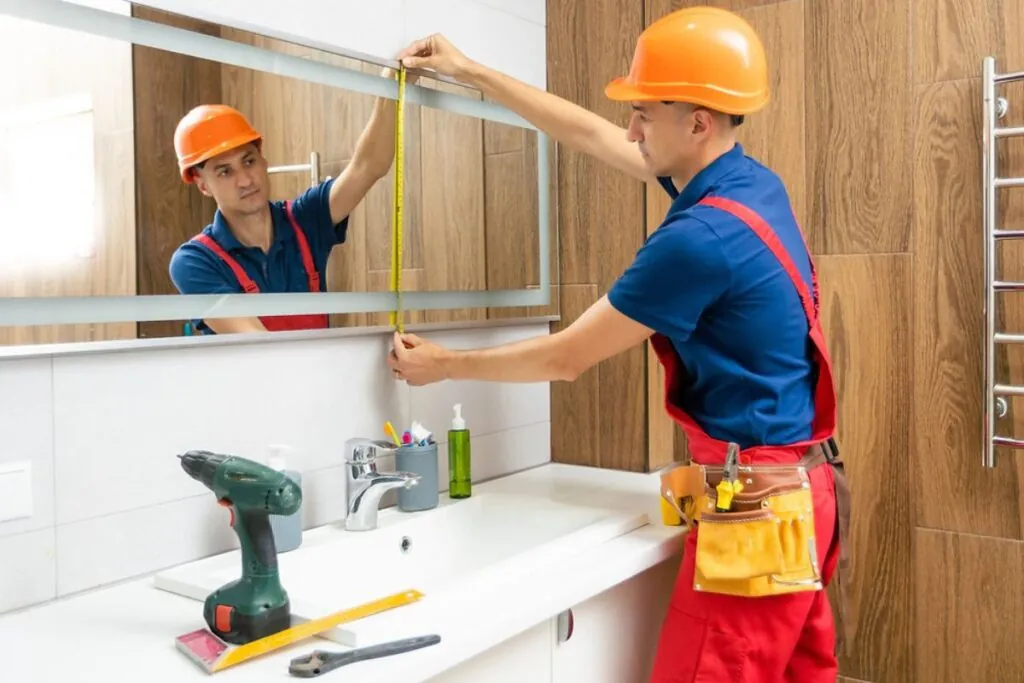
(396, 317)
(730, 484)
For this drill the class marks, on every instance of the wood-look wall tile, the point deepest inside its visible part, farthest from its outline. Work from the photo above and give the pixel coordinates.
(970, 607)
(873, 380)
(168, 212)
(600, 208)
(500, 138)
(511, 220)
(858, 146)
(1013, 46)
(453, 206)
(576, 414)
(951, 37)
(659, 8)
(380, 204)
(775, 135)
(662, 432)
(338, 115)
(953, 491)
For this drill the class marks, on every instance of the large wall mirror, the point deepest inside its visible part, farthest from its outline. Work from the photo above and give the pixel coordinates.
(97, 208)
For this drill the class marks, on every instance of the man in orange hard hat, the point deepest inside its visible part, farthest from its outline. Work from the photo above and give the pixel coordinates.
(726, 291)
(255, 245)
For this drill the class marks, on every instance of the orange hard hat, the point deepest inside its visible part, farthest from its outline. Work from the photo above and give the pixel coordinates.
(209, 130)
(703, 55)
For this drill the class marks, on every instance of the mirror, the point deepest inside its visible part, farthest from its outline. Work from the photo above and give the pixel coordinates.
(99, 208)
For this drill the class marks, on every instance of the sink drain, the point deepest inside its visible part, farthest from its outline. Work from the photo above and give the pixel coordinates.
(406, 544)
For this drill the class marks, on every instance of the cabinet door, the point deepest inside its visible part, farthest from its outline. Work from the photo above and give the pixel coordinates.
(527, 657)
(615, 634)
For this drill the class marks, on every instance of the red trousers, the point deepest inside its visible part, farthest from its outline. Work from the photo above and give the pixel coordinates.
(711, 638)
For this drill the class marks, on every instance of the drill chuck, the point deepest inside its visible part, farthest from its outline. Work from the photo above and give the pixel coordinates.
(202, 465)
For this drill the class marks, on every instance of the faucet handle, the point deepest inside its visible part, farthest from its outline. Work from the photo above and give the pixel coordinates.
(360, 450)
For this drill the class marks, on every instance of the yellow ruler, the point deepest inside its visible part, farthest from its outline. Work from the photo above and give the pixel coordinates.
(397, 315)
(311, 628)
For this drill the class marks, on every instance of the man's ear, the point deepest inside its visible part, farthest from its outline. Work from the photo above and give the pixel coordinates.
(201, 183)
(701, 121)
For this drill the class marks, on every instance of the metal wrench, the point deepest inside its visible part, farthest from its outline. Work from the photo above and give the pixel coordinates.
(320, 661)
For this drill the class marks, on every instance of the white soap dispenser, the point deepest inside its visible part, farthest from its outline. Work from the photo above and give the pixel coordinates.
(287, 530)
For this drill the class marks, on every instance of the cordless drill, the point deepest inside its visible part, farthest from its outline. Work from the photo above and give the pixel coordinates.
(254, 606)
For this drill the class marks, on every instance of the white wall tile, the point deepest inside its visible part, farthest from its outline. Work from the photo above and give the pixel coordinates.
(104, 430)
(122, 418)
(27, 569)
(487, 407)
(114, 547)
(517, 449)
(509, 35)
(487, 35)
(533, 11)
(26, 433)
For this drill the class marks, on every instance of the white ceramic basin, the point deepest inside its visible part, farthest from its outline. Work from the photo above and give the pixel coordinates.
(490, 535)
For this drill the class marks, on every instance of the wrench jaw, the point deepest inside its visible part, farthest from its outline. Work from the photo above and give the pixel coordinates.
(310, 665)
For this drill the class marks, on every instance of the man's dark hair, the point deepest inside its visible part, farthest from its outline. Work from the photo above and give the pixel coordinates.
(735, 119)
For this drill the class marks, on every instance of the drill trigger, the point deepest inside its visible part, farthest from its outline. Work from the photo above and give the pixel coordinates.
(224, 502)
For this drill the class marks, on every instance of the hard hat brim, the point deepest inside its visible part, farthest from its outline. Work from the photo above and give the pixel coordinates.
(622, 90)
(227, 145)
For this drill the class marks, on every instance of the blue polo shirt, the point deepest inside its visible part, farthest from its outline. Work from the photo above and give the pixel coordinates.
(195, 269)
(707, 282)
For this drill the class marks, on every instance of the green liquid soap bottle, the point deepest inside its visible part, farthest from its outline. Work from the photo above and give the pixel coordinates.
(460, 483)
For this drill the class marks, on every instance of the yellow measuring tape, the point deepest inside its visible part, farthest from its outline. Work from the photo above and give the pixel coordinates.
(396, 317)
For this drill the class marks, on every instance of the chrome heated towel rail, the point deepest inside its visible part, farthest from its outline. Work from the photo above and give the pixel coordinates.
(313, 168)
(995, 404)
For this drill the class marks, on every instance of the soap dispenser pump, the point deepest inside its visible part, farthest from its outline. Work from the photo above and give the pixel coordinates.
(460, 482)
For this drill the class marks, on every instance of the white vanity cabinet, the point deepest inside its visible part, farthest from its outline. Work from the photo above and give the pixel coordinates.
(613, 640)
(615, 633)
(523, 659)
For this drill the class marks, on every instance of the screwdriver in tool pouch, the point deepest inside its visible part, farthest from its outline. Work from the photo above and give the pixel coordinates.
(730, 484)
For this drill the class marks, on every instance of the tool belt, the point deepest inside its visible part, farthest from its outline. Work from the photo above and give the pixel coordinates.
(757, 537)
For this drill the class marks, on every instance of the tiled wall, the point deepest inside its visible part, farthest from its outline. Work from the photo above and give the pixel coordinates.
(508, 35)
(110, 500)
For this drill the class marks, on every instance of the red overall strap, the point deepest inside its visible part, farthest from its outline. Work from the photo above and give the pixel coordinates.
(824, 393)
(243, 278)
(283, 322)
(771, 240)
(307, 256)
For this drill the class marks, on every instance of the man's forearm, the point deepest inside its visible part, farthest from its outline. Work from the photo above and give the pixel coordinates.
(375, 150)
(533, 360)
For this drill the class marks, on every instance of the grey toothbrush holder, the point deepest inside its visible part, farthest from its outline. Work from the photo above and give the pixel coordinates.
(421, 460)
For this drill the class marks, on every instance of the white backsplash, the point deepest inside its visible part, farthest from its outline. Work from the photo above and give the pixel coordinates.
(110, 500)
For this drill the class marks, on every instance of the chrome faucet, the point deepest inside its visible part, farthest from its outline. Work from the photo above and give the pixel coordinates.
(364, 485)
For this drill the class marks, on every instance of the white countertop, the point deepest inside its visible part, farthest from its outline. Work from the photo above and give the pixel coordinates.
(126, 632)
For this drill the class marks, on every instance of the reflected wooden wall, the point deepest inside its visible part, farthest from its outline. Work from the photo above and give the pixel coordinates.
(470, 186)
(99, 71)
(875, 126)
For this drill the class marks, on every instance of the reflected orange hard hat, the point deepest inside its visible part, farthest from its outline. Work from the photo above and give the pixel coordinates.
(209, 130)
(703, 55)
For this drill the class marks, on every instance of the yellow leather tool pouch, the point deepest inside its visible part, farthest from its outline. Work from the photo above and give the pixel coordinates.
(765, 544)
(682, 490)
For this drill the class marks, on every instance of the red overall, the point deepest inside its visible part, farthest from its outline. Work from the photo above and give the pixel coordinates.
(712, 638)
(277, 323)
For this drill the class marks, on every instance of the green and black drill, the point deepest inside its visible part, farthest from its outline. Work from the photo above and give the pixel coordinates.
(256, 605)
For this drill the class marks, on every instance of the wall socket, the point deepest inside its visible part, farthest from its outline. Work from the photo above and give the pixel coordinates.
(15, 490)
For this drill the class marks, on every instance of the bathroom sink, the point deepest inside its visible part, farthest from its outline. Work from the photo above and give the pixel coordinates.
(489, 536)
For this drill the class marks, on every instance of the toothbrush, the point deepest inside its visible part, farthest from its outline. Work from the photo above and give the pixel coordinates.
(389, 429)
